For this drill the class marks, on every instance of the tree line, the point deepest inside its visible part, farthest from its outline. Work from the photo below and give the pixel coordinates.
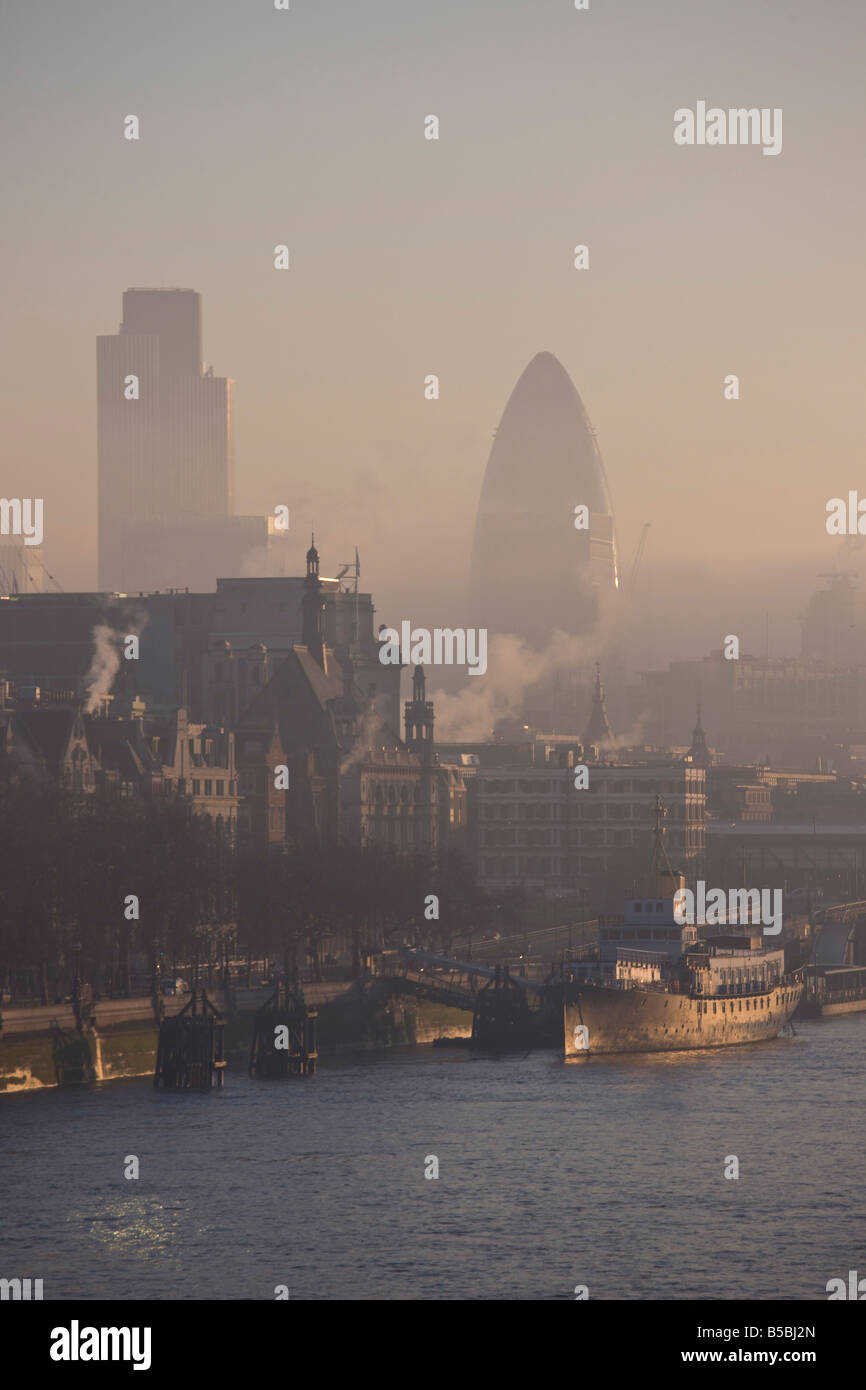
(110, 890)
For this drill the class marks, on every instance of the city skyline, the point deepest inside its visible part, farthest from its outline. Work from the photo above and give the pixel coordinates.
(432, 669)
(456, 257)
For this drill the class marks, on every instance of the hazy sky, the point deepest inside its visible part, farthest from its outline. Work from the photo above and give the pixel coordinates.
(411, 257)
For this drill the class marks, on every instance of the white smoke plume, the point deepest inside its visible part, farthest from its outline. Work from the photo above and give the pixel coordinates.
(107, 656)
(369, 726)
(513, 667)
(633, 737)
(103, 667)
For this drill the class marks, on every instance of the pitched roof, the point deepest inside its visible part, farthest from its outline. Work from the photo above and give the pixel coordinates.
(46, 733)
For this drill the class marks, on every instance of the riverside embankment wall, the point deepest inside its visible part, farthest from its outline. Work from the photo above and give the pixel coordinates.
(123, 1035)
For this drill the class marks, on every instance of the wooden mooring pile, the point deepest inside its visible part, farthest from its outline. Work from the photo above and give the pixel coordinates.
(285, 1041)
(73, 1063)
(189, 1054)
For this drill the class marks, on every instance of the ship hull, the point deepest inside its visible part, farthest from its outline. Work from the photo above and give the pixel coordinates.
(644, 1020)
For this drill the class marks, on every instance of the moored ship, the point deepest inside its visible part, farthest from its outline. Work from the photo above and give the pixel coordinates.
(657, 987)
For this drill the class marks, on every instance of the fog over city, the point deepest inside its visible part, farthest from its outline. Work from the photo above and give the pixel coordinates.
(703, 263)
(432, 671)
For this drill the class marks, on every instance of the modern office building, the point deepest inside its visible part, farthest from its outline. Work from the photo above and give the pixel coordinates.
(165, 440)
(533, 569)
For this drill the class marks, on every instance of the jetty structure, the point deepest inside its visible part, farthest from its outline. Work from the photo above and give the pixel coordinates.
(502, 1020)
(284, 1036)
(73, 1064)
(190, 1052)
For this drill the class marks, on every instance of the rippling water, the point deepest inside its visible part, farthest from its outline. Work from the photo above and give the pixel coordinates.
(606, 1172)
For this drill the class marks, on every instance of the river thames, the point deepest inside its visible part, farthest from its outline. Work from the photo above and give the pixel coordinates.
(607, 1172)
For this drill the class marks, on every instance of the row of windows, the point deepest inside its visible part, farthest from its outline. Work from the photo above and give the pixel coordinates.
(209, 783)
(668, 933)
(746, 976)
(492, 866)
(509, 867)
(507, 811)
(521, 810)
(524, 837)
(578, 839)
(583, 838)
(402, 834)
(380, 795)
(493, 786)
(735, 1005)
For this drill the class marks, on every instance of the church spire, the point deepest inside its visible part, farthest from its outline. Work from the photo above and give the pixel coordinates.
(699, 752)
(313, 608)
(598, 729)
(312, 558)
(418, 717)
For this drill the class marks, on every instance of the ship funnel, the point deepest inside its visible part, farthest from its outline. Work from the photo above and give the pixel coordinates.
(669, 882)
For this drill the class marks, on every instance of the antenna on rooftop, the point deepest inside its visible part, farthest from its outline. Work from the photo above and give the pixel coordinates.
(355, 567)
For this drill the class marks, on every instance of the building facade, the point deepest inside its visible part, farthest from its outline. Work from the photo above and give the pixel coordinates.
(537, 831)
(165, 429)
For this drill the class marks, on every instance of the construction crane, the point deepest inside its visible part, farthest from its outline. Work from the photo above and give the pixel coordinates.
(355, 566)
(638, 556)
(29, 574)
(9, 585)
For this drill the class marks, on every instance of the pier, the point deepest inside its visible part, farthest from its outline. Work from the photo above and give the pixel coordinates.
(190, 1049)
(502, 1021)
(73, 1063)
(285, 1036)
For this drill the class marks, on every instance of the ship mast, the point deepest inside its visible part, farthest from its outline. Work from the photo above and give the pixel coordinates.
(660, 864)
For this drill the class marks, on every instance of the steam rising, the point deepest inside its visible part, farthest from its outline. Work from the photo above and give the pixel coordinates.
(103, 667)
(513, 668)
(369, 726)
(107, 656)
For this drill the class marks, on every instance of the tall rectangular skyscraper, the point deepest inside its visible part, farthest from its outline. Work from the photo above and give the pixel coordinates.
(165, 437)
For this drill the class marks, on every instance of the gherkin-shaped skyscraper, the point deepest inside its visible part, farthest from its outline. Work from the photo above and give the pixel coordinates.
(532, 569)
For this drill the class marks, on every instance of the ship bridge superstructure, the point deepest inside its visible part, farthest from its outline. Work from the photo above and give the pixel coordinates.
(647, 926)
